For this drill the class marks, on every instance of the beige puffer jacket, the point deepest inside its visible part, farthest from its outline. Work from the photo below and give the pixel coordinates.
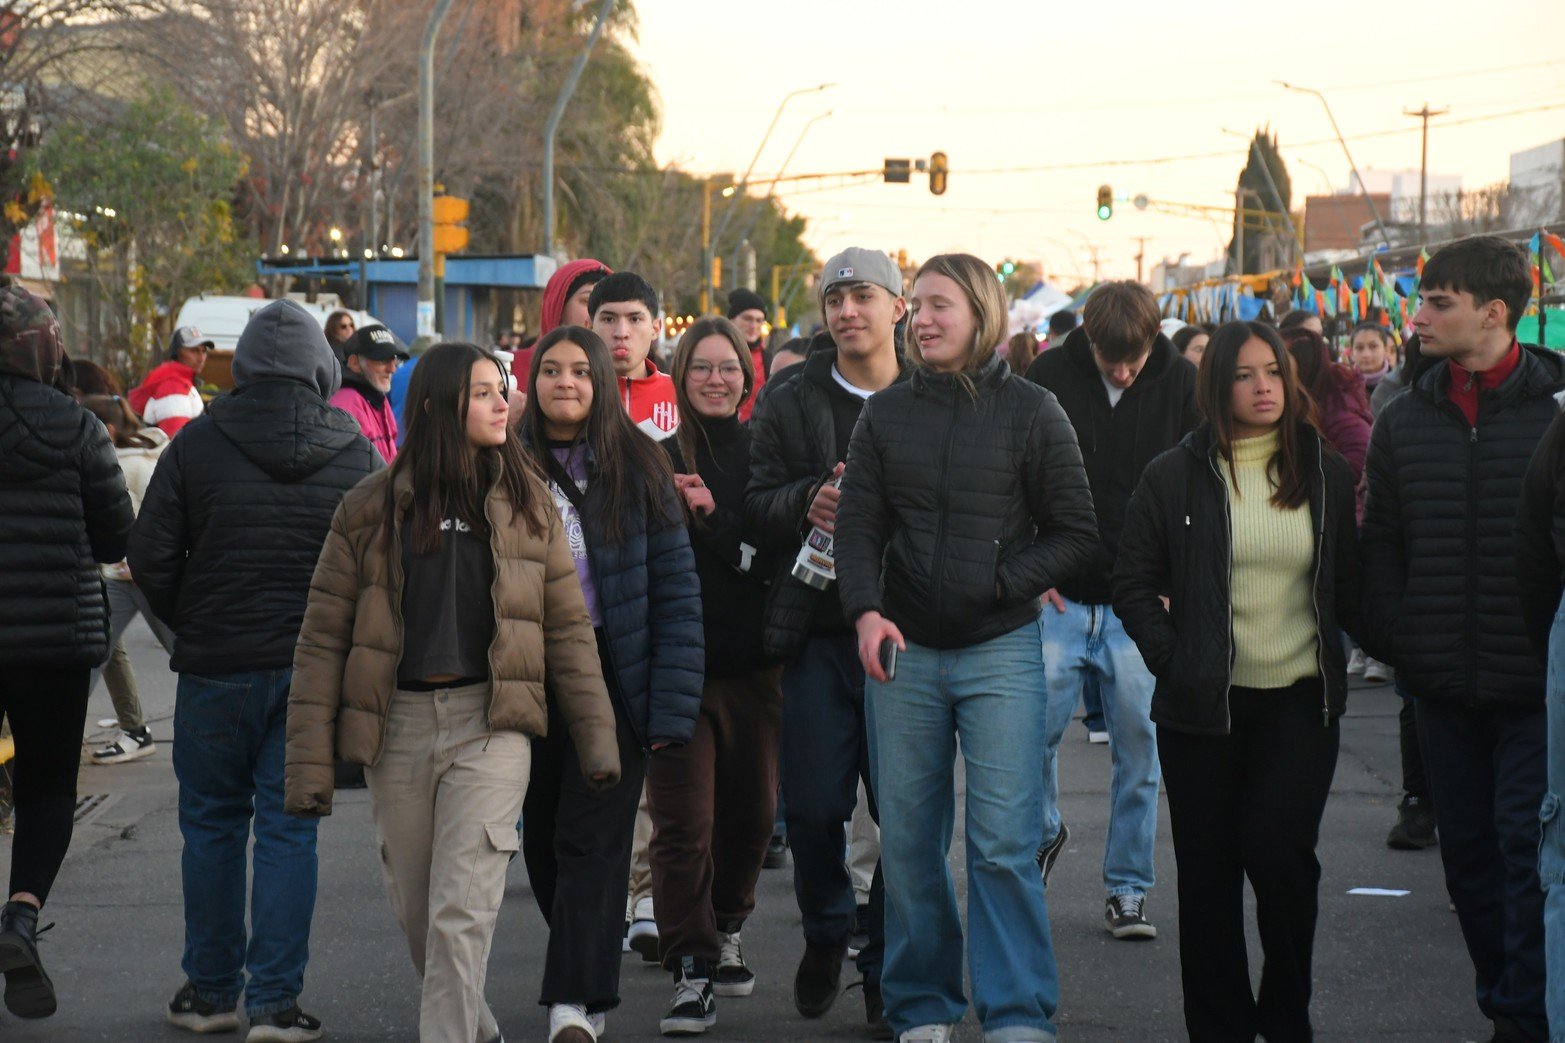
(345, 666)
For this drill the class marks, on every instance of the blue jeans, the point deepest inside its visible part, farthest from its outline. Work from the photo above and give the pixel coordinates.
(987, 696)
(1084, 648)
(228, 757)
(824, 754)
(1551, 846)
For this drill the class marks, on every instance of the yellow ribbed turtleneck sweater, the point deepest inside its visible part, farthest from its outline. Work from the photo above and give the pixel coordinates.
(1273, 575)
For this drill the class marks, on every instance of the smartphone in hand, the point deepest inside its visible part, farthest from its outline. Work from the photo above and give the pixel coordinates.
(888, 658)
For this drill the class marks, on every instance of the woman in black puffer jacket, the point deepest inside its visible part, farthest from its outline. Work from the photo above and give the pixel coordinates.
(1237, 565)
(964, 500)
(63, 511)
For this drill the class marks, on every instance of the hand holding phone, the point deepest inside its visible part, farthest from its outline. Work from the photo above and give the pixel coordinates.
(888, 658)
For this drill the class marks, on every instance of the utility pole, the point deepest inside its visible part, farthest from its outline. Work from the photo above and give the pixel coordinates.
(1423, 168)
(555, 114)
(1374, 212)
(1141, 252)
(426, 169)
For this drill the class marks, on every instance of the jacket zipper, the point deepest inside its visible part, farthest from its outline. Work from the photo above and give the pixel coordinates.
(1472, 555)
(1320, 551)
(940, 518)
(1228, 515)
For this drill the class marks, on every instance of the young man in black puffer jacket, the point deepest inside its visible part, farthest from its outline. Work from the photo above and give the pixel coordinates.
(1442, 605)
(63, 510)
(224, 548)
(798, 443)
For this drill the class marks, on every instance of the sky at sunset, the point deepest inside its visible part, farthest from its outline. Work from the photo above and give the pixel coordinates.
(1037, 104)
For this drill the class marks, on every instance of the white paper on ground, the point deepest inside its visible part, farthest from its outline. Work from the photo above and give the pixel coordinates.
(1379, 892)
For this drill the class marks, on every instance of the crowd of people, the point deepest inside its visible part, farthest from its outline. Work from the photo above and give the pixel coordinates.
(645, 628)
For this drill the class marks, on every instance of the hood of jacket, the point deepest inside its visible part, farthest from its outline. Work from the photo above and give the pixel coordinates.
(558, 290)
(41, 429)
(282, 341)
(1160, 361)
(985, 380)
(283, 427)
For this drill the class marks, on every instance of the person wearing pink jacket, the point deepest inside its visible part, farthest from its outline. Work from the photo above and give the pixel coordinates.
(373, 355)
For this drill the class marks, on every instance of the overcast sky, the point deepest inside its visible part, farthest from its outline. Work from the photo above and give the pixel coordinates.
(1140, 92)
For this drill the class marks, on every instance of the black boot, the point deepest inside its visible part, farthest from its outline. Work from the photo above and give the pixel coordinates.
(28, 991)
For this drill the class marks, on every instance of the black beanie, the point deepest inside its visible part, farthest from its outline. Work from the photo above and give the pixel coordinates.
(743, 300)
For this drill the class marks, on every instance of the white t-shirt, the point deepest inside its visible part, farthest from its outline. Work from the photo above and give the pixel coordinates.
(1114, 392)
(852, 389)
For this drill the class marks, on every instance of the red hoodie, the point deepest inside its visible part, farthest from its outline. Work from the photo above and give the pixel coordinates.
(758, 360)
(650, 402)
(554, 294)
(168, 398)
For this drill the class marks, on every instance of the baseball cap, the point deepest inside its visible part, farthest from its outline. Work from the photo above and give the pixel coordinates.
(377, 343)
(189, 337)
(856, 264)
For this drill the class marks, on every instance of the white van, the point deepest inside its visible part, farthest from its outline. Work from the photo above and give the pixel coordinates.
(221, 319)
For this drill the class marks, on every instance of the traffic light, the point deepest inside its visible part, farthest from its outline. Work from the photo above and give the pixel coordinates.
(938, 169)
(897, 171)
(450, 236)
(1004, 269)
(1105, 202)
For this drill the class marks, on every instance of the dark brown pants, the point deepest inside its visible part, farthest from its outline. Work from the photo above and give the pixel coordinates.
(712, 802)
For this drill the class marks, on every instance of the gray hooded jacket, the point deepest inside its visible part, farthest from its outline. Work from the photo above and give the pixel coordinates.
(238, 508)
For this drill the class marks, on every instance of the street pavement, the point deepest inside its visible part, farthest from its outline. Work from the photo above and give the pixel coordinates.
(1386, 968)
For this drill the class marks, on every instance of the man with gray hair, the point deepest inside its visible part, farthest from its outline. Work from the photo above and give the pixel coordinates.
(224, 549)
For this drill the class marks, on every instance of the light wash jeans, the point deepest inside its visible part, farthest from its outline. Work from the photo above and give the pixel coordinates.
(1551, 846)
(986, 696)
(1087, 647)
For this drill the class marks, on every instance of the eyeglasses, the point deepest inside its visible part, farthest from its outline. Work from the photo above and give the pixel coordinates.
(727, 370)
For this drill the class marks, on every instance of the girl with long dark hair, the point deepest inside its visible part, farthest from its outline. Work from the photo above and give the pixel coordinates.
(614, 491)
(1237, 566)
(713, 800)
(964, 500)
(444, 596)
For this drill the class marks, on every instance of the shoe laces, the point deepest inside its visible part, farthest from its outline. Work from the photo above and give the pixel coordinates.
(1130, 906)
(730, 953)
(689, 990)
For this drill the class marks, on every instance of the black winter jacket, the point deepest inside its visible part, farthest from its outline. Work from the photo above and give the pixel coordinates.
(63, 509)
(1177, 543)
(958, 511)
(650, 600)
(793, 448)
(1117, 442)
(234, 520)
(733, 568)
(1540, 536)
(1442, 604)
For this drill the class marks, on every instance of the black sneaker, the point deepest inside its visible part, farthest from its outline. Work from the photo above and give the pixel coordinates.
(1415, 828)
(692, 1011)
(28, 991)
(875, 1012)
(194, 1014)
(776, 852)
(819, 977)
(732, 976)
(286, 1026)
(1050, 852)
(1125, 918)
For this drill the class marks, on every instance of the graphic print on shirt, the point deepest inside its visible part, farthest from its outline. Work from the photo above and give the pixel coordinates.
(574, 536)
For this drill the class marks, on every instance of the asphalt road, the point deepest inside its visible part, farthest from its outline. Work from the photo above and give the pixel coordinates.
(1386, 968)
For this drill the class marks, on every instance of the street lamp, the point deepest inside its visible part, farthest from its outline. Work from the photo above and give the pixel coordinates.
(558, 112)
(708, 246)
(1363, 189)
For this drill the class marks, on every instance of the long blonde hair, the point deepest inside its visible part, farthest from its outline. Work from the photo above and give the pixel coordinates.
(984, 296)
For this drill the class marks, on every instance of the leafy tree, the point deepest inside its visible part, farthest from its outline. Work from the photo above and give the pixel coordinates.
(1265, 237)
(148, 190)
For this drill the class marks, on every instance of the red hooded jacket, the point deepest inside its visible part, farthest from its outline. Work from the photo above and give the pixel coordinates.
(555, 292)
(168, 398)
(650, 402)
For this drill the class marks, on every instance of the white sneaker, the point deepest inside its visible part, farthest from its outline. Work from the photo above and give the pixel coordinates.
(643, 933)
(570, 1023)
(928, 1034)
(1356, 661)
(127, 747)
(1376, 672)
(1097, 738)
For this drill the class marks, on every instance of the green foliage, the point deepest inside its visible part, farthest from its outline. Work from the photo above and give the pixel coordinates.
(148, 190)
(1261, 196)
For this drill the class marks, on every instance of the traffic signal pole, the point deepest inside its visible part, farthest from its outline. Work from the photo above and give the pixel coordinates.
(427, 325)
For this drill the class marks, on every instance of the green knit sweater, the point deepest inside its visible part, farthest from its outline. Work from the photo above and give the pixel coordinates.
(1273, 567)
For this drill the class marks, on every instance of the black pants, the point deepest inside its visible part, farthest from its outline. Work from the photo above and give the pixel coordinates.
(1489, 772)
(47, 710)
(1249, 804)
(1414, 782)
(577, 846)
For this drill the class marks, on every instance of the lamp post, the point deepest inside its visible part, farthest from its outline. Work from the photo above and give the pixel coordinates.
(557, 113)
(709, 244)
(1363, 189)
(771, 192)
(426, 170)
